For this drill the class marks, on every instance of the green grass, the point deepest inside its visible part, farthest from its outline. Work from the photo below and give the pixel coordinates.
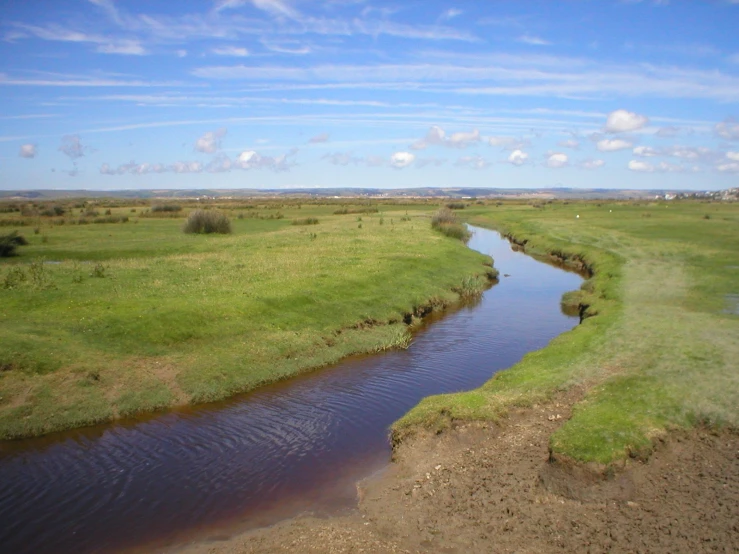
(659, 346)
(104, 321)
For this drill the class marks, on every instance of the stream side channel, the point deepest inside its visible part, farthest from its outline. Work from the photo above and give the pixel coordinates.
(300, 446)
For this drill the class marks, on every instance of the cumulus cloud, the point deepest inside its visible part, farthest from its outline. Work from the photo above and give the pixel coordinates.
(621, 121)
(507, 143)
(728, 168)
(569, 143)
(27, 151)
(727, 129)
(557, 160)
(219, 164)
(518, 157)
(645, 152)
(72, 146)
(400, 160)
(433, 161)
(210, 141)
(612, 145)
(733, 156)
(437, 136)
(322, 137)
(473, 162)
(591, 164)
(643, 167)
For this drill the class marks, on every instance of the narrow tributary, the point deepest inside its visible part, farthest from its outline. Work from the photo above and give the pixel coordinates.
(297, 446)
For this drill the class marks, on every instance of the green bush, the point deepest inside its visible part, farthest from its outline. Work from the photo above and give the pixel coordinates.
(8, 244)
(203, 222)
(166, 208)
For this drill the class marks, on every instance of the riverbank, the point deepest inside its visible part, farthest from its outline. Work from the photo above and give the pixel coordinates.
(619, 436)
(106, 320)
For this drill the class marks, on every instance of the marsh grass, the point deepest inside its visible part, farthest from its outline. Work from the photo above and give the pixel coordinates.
(177, 320)
(306, 221)
(446, 222)
(659, 349)
(207, 222)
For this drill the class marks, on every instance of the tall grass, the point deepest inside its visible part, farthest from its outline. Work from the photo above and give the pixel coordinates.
(446, 222)
(205, 222)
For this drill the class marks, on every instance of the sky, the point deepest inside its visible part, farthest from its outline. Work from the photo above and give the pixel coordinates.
(213, 94)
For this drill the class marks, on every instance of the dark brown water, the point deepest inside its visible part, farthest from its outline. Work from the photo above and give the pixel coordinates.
(285, 449)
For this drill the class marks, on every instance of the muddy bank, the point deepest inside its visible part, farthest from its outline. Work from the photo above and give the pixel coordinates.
(487, 488)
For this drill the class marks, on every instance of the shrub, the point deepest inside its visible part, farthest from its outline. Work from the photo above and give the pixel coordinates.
(306, 221)
(344, 211)
(447, 223)
(456, 206)
(202, 221)
(8, 244)
(166, 208)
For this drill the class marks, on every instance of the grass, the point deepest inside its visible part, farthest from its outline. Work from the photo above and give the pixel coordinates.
(104, 321)
(207, 222)
(658, 347)
(445, 221)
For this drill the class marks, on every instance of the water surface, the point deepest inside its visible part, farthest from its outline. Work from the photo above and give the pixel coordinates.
(284, 449)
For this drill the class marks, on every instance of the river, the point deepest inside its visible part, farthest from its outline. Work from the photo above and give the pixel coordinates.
(203, 472)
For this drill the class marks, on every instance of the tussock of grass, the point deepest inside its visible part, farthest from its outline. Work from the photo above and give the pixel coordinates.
(206, 222)
(446, 222)
(306, 221)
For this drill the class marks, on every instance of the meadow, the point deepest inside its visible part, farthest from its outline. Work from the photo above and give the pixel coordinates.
(111, 310)
(658, 346)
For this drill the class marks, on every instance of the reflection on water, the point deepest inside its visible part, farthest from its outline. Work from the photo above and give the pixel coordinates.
(284, 449)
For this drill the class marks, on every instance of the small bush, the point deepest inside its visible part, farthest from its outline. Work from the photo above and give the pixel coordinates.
(8, 244)
(456, 206)
(344, 211)
(13, 278)
(306, 221)
(166, 208)
(204, 222)
(446, 222)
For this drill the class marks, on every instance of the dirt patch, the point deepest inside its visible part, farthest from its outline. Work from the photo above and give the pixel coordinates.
(486, 488)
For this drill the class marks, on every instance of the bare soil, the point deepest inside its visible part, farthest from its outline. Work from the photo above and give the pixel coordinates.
(489, 488)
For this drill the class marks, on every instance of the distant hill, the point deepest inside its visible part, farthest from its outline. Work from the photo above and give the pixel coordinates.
(346, 192)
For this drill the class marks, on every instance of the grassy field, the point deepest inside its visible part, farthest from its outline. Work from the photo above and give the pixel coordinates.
(108, 319)
(659, 346)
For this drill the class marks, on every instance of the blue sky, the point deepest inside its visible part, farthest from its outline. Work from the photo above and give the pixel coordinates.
(127, 94)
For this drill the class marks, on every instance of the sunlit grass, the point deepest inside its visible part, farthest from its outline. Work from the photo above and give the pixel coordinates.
(662, 346)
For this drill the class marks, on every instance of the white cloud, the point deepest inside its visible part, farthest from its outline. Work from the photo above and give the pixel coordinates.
(436, 162)
(591, 164)
(667, 132)
(728, 168)
(375, 161)
(646, 151)
(644, 167)
(437, 136)
(508, 143)
(28, 151)
(533, 40)
(181, 53)
(402, 159)
(126, 48)
(473, 162)
(340, 158)
(620, 121)
(210, 141)
(322, 137)
(607, 145)
(727, 129)
(569, 143)
(187, 167)
(72, 146)
(733, 156)
(557, 160)
(451, 13)
(518, 157)
(233, 51)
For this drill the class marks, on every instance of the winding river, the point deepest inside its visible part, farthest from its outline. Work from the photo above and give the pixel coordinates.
(203, 472)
